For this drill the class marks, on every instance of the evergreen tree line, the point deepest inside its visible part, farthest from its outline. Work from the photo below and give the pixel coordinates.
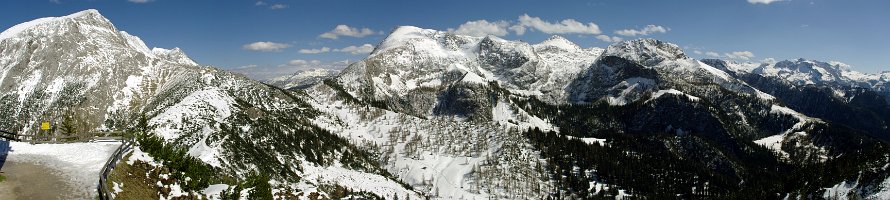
(646, 168)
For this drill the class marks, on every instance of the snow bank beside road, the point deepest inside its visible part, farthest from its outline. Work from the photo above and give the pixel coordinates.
(79, 163)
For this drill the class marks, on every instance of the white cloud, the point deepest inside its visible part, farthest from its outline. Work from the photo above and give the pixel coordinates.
(342, 62)
(482, 28)
(260, 3)
(740, 55)
(763, 1)
(606, 38)
(735, 55)
(518, 29)
(278, 6)
(303, 62)
(140, 1)
(315, 51)
(697, 52)
(355, 50)
(298, 62)
(344, 30)
(265, 46)
(567, 26)
(649, 29)
(246, 67)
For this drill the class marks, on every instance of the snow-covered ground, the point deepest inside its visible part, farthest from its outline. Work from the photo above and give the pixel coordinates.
(79, 163)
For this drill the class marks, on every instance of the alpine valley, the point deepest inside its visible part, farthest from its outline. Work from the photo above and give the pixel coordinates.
(435, 115)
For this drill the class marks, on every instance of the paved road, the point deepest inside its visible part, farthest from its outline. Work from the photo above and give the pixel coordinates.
(52, 171)
(32, 181)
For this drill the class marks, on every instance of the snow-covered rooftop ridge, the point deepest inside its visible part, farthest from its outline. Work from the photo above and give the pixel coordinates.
(647, 51)
(15, 30)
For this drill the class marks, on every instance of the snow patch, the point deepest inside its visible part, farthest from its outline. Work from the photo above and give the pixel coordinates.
(590, 140)
(713, 70)
(123, 99)
(214, 191)
(630, 87)
(659, 93)
(191, 111)
(81, 163)
(18, 28)
(313, 176)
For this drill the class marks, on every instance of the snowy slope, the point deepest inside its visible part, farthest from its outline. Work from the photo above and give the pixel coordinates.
(303, 78)
(82, 65)
(412, 58)
(415, 73)
(442, 113)
(56, 62)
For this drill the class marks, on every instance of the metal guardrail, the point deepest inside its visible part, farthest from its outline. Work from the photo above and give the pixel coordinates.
(9, 135)
(110, 165)
(50, 139)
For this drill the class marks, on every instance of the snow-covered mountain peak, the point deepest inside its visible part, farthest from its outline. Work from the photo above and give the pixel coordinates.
(802, 71)
(89, 30)
(557, 42)
(505, 48)
(174, 55)
(303, 78)
(645, 51)
(87, 12)
(413, 39)
(47, 25)
(733, 66)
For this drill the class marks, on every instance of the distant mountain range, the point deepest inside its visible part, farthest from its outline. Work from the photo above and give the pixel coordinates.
(433, 114)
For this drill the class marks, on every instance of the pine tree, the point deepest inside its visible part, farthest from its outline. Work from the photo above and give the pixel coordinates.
(262, 189)
(68, 125)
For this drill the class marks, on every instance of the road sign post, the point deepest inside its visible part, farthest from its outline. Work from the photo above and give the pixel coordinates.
(45, 126)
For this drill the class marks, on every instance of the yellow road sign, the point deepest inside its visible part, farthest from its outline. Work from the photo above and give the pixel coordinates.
(44, 126)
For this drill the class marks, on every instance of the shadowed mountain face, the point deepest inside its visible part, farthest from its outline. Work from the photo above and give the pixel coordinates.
(822, 90)
(434, 114)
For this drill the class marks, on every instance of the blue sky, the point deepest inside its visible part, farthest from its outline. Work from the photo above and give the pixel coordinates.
(271, 37)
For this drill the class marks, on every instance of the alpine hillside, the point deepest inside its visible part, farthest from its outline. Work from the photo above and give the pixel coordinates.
(81, 66)
(434, 114)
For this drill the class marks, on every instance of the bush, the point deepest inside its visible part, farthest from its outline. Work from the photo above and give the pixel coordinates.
(200, 174)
